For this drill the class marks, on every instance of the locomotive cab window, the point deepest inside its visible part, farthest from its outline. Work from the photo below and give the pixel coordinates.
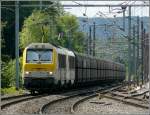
(39, 56)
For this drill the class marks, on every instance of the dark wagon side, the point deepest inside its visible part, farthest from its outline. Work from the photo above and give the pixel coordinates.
(90, 70)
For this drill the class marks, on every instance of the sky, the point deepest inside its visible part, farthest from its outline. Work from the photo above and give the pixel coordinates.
(104, 11)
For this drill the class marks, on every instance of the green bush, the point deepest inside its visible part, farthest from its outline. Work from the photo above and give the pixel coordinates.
(11, 90)
(8, 75)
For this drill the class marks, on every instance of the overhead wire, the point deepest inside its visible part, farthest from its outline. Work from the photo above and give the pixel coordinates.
(104, 15)
(85, 7)
(111, 12)
(81, 5)
(84, 14)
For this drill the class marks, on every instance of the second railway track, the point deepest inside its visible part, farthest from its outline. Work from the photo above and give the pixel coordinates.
(129, 100)
(64, 105)
(103, 91)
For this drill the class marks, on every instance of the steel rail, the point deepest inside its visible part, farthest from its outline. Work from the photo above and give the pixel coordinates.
(128, 96)
(127, 102)
(105, 89)
(44, 107)
(26, 98)
(11, 100)
(127, 99)
(14, 97)
(75, 105)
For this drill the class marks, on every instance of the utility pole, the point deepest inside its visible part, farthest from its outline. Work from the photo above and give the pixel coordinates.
(17, 42)
(144, 56)
(134, 54)
(94, 39)
(142, 35)
(124, 21)
(124, 9)
(129, 45)
(137, 63)
(90, 41)
(87, 43)
(40, 4)
(114, 30)
(149, 55)
(0, 40)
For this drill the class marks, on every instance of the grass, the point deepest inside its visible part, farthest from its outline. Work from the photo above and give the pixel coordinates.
(11, 90)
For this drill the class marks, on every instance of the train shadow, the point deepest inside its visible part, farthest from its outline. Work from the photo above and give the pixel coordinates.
(66, 91)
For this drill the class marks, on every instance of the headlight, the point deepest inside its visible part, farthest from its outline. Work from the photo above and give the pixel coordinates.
(26, 72)
(50, 73)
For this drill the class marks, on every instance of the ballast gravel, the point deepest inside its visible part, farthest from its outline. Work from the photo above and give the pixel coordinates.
(62, 106)
(31, 106)
(108, 106)
(94, 105)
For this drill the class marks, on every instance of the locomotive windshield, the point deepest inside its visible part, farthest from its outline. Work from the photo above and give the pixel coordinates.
(39, 56)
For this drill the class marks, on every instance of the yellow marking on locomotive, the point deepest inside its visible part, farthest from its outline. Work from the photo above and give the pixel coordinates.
(40, 67)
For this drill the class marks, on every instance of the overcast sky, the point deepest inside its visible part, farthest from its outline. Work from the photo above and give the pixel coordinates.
(94, 11)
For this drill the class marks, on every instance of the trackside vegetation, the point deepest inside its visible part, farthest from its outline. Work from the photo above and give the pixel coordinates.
(51, 25)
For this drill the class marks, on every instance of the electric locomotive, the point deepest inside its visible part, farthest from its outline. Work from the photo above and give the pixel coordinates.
(46, 66)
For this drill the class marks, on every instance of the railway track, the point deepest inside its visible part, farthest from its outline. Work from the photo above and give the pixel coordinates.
(64, 105)
(11, 100)
(13, 97)
(137, 102)
(111, 94)
(74, 94)
(104, 91)
(8, 101)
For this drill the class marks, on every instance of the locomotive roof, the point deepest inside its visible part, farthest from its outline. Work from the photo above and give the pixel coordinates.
(59, 49)
(65, 51)
(39, 45)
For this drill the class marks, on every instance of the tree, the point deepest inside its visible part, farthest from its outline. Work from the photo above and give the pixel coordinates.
(3, 25)
(72, 37)
(62, 30)
(8, 15)
(40, 26)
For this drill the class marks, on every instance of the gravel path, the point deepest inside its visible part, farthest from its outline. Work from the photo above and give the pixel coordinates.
(108, 106)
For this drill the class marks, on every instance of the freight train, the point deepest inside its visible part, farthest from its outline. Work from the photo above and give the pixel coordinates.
(47, 66)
